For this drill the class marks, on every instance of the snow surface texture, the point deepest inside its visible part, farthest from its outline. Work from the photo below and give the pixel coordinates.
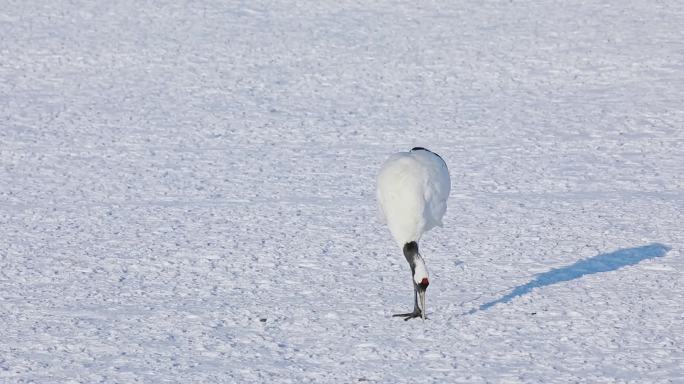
(187, 192)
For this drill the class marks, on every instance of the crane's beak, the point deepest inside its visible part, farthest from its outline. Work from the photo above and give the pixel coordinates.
(421, 298)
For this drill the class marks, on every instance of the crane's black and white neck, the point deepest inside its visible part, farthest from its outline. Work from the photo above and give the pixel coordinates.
(413, 188)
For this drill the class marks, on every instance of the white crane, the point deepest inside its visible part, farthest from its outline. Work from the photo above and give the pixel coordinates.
(413, 188)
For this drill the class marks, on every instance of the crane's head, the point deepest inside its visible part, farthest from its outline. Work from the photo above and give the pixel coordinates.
(421, 280)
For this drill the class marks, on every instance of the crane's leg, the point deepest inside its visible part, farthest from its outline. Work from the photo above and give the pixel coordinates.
(416, 309)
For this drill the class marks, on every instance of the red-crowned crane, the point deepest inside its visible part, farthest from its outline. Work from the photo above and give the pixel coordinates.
(413, 188)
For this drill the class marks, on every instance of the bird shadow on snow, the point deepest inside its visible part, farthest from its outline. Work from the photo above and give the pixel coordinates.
(604, 262)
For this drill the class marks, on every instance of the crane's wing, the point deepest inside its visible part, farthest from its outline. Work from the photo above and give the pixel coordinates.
(401, 197)
(437, 188)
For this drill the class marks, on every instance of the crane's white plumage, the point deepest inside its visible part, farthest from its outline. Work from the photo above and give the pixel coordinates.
(413, 188)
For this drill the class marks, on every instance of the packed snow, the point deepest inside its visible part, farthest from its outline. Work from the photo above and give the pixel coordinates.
(187, 191)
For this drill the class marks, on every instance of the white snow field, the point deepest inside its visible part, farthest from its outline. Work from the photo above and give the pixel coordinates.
(187, 191)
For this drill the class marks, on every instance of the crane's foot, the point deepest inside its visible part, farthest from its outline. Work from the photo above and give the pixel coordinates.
(409, 316)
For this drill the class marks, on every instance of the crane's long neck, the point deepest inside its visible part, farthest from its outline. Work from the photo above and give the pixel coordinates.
(415, 260)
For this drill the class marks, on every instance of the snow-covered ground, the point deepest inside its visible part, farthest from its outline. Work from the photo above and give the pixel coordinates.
(187, 191)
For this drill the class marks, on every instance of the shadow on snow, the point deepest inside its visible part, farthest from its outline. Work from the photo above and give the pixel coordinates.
(604, 262)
